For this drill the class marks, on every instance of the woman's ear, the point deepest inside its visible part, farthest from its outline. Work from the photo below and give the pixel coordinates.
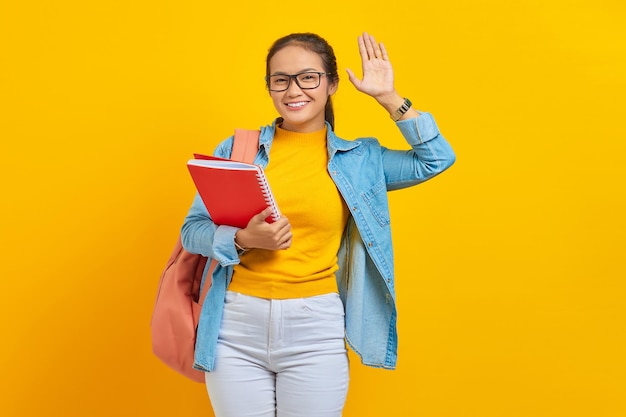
(332, 89)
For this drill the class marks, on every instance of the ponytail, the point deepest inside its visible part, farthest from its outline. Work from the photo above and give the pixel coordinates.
(329, 113)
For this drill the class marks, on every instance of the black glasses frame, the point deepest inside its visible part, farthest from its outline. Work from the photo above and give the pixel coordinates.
(295, 77)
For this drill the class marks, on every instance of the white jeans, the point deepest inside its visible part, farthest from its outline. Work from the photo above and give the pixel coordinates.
(280, 358)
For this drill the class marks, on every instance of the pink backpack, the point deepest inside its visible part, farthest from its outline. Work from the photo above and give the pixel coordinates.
(179, 302)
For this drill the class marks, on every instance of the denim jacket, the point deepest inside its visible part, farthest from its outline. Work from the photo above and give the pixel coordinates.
(363, 171)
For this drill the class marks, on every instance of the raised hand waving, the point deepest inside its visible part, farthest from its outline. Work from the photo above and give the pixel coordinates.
(377, 70)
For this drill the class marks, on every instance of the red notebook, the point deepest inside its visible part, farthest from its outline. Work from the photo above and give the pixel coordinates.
(233, 192)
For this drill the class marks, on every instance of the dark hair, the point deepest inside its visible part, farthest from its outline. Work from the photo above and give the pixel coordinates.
(314, 43)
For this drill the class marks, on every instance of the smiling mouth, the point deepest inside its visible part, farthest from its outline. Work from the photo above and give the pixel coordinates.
(296, 105)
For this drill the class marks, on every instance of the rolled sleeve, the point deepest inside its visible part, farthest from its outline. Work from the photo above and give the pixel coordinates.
(200, 235)
(224, 250)
(420, 129)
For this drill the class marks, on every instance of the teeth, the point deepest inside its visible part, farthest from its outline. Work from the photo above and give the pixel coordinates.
(299, 104)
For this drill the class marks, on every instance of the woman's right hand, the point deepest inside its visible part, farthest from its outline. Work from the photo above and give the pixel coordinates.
(263, 235)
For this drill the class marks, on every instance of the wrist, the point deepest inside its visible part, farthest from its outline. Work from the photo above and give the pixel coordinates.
(239, 245)
(390, 101)
(401, 111)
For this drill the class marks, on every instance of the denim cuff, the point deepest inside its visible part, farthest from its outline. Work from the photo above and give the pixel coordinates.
(420, 129)
(224, 249)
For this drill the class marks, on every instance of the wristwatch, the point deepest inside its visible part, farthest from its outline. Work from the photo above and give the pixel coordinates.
(396, 115)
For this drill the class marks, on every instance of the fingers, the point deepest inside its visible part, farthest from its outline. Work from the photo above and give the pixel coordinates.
(385, 56)
(282, 233)
(285, 245)
(362, 48)
(370, 45)
(263, 235)
(275, 236)
(370, 49)
(283, 238)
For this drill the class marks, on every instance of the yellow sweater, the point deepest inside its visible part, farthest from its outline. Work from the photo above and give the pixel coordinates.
(307, 196)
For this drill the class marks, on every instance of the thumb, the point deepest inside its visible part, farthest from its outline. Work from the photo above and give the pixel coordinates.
(353, 79)
(263, 215)
(260, 217)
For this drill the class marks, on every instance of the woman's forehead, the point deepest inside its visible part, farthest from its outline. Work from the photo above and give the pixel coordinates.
(293, 58)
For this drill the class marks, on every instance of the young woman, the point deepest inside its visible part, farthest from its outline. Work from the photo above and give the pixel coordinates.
(286, 296)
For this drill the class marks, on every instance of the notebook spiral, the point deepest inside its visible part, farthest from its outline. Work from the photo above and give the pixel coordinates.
(267, 194)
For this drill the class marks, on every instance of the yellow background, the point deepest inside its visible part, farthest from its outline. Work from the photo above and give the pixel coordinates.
(510, 266)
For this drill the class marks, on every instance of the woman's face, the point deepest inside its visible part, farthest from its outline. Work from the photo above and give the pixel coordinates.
(301, 109)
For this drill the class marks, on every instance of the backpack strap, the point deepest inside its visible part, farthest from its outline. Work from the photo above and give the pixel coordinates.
(245, 145)
(245, 148)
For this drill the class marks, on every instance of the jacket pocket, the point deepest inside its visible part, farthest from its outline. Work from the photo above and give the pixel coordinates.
(376, 200)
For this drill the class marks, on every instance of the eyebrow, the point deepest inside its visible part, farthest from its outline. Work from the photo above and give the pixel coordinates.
(299, 72)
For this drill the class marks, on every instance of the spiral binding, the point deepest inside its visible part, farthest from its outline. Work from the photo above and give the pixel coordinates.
(267, 194)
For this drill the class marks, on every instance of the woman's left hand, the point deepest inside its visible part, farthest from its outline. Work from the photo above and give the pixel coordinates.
(377, 70)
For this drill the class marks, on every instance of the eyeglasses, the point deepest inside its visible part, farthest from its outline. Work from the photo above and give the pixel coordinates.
(306, 80)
